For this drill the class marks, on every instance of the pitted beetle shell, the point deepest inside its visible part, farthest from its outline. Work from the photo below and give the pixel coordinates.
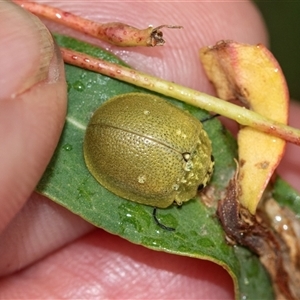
(142, 148)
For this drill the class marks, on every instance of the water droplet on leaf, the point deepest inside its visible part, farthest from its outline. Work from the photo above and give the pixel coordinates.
(78, 86)
(67, 147)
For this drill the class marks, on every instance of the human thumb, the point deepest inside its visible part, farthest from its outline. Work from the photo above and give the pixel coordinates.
(32, 105)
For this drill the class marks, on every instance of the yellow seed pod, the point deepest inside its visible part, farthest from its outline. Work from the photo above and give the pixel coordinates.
(144, 149)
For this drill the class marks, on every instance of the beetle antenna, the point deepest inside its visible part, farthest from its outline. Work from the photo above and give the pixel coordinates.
(160, 224)
(210, 117)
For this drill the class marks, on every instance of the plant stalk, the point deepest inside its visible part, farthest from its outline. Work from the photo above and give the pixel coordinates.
(114, 33)
(241, 115)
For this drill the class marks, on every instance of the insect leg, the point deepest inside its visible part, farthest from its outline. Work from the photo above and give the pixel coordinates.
(158, 222)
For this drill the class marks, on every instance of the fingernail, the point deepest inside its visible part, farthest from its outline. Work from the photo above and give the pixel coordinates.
(28, 51)
(46, 47)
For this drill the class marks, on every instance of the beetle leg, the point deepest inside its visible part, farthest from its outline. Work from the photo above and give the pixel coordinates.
(209, 118)
(200, 187)
(158, 222)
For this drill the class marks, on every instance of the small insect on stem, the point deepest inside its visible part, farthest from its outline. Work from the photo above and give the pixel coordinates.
(156, 35)
(115, 33)
(159, 223)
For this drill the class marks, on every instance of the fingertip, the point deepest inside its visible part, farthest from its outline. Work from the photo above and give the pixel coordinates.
(27, 53)
(32, 105)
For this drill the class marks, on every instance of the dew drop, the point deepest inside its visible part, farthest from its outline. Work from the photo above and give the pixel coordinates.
(78, 86)
(83, 75)
(67, 147)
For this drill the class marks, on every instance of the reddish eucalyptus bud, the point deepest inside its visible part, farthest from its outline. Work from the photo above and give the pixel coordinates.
(118, 34)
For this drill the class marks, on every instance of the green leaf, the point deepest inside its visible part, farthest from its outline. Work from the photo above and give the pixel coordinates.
(198, 233)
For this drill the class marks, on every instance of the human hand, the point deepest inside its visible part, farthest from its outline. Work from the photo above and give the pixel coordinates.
(50, 245)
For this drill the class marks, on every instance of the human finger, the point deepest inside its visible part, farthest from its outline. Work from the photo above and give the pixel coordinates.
(32, 105)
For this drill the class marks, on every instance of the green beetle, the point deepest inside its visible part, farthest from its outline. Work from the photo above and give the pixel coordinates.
(144, 149)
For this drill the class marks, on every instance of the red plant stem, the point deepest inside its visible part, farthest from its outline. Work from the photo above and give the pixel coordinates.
(58, 16)
(242, 115)
(115, 33)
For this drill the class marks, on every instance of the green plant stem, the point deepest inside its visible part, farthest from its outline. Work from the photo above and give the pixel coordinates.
(240, 114)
